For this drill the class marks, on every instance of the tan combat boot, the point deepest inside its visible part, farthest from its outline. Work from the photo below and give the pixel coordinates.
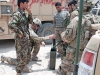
(7, 59)
(27, 70)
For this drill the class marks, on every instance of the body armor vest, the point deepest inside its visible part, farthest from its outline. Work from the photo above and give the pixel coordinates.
(59, 18)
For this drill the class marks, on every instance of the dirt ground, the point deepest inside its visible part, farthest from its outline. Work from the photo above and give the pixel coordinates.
(39, 68)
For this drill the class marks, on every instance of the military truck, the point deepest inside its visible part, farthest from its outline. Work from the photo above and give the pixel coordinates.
(96, 11)
(42, 9)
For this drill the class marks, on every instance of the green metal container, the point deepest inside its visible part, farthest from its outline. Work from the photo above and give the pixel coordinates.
(53, 56)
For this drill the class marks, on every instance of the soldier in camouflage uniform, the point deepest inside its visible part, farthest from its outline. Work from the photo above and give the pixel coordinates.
(19, 24)
(34, 39)
(59, 28)
(37, 40)
(69, 36)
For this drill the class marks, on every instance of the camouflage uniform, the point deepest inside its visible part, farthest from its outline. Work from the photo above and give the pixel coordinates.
(69, 36)
(33, 38)
(37, 41)
(19, 24)
(59, 28)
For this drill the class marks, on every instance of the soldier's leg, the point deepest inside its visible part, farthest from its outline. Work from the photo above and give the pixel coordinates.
(26, 69)
(22, 48)
(60, 46)
(65, 68)
(35, 51)
(11, 61)
(67, 64)
(70, 55)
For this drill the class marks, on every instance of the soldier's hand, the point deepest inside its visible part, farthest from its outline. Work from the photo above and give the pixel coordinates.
(43, 43)
(20, 35)
(53, 36)
(28, 10)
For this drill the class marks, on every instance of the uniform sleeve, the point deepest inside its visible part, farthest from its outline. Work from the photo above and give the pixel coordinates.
(30, 19)
(13, 24)
(35, 37)
(70, 34)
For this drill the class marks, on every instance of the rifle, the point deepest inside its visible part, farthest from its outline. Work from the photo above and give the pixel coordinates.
(59, 42)
(64, 45)
(1, 29)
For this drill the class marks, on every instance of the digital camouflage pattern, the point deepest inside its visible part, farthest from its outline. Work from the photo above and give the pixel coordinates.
(19, 24)
(59, 17)
(89, 25)
(69, 36)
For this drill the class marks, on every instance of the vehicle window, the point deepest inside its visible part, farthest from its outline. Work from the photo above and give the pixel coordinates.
(99, 13)
(94, 11)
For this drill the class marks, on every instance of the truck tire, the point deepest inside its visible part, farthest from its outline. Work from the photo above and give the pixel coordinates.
(45, 30)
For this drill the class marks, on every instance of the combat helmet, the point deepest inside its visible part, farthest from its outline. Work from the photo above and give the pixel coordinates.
(37, 21)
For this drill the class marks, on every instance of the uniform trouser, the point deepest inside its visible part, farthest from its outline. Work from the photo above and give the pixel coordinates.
(67, 65)
(23, 52)
(70, 55)
(58, 32)
(36, 48)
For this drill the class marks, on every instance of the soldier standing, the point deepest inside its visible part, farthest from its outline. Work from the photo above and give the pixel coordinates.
(19, 24)
(59, 28)
(69, 36)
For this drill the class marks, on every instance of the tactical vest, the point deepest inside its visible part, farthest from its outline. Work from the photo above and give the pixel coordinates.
(59, 18)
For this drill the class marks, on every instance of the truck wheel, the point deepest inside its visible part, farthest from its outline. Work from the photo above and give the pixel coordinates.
(45, 30)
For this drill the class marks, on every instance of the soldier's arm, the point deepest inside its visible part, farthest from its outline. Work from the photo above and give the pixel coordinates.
(30, 19)
(35, 37)
(13, 24)
(70, 34)
(74, 26)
